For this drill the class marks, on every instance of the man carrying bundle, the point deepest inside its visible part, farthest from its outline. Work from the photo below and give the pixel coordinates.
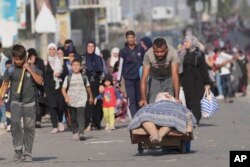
(23, 79)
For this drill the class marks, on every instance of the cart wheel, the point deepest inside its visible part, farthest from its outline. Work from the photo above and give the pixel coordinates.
(164, 149)
(183, 148)
(140, 149)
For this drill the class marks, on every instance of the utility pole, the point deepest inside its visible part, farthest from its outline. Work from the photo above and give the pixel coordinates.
(32, 13)
(97, 40)
(131, 14)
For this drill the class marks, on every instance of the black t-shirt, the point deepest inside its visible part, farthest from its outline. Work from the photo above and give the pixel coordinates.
(27, 94)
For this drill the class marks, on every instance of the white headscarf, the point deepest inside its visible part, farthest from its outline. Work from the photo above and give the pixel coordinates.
(114, 56)
(97, 51)
(54, 61)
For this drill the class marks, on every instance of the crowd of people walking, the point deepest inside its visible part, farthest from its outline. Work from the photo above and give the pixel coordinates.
(77, 91)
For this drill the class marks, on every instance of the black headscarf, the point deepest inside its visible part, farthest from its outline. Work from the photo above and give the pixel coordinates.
(147, 41)
(93, 62)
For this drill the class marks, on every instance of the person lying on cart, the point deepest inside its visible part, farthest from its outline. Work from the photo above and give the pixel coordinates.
(159, 118)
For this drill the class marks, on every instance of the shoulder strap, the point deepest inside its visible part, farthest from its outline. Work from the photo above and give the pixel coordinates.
(68, 81)
(84, 78)
(11, 69)
(69, 76)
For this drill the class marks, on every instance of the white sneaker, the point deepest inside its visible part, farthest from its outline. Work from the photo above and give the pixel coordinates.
(220, 97)
(54, 130)
(75, 137)
(8, 128)
(61, 127)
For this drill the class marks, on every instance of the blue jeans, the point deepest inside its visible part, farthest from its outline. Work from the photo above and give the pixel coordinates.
(226, 85)
(133, 93)
(219, 85)
(2, 114)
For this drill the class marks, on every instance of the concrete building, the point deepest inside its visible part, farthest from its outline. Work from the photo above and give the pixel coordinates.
(113, 10)
(131, 8)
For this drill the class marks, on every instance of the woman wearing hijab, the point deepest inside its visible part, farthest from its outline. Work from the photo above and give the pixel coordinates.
(54, 75)
(195, 78)
(146, 43)
(114, 57)
(94, 72)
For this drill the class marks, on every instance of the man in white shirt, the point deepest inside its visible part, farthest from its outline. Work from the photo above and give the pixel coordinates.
(223, 62)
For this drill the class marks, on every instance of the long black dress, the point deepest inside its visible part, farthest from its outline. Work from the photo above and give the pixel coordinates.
(55, 99)
(195, 76)
(94, 72)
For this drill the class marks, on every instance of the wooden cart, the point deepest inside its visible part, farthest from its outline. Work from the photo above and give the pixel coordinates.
(174, 140)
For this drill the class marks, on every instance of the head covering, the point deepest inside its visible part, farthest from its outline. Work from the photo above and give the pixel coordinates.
(70, 49)
(54, 61)
(93, 62)
(97, 51)
(51, 45)
(147, 41)
(193, 41)
(87, 47)
(114, 56)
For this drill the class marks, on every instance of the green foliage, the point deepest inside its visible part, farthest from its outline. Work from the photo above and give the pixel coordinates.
(244, 9)
(225, 7)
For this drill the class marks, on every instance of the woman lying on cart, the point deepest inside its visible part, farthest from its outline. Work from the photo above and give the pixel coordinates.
(159, 118)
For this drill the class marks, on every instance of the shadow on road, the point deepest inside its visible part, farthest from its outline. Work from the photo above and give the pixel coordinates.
(160, 152)
(1, 159)
(39, 159)
(206, 125)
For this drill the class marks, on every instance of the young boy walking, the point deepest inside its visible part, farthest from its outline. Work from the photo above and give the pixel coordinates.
(22, 78)
(76, 90)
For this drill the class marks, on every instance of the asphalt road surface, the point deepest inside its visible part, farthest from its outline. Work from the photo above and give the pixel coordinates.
(226, 130)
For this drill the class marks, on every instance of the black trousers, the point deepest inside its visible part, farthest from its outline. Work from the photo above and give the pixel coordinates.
(40, 111)
(56, 106)
(77, 119)
(93, 113)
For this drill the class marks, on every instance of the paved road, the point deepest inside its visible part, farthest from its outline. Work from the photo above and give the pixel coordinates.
(227, 130)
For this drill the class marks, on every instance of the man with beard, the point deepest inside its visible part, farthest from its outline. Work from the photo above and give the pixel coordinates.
(160, 72)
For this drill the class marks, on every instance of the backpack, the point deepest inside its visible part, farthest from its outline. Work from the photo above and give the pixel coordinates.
(69, 76)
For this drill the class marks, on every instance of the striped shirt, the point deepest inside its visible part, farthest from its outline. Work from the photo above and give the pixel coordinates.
(77, 92)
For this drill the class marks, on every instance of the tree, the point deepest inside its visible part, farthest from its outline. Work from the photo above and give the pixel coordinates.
(244, 9)
(225, 7)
